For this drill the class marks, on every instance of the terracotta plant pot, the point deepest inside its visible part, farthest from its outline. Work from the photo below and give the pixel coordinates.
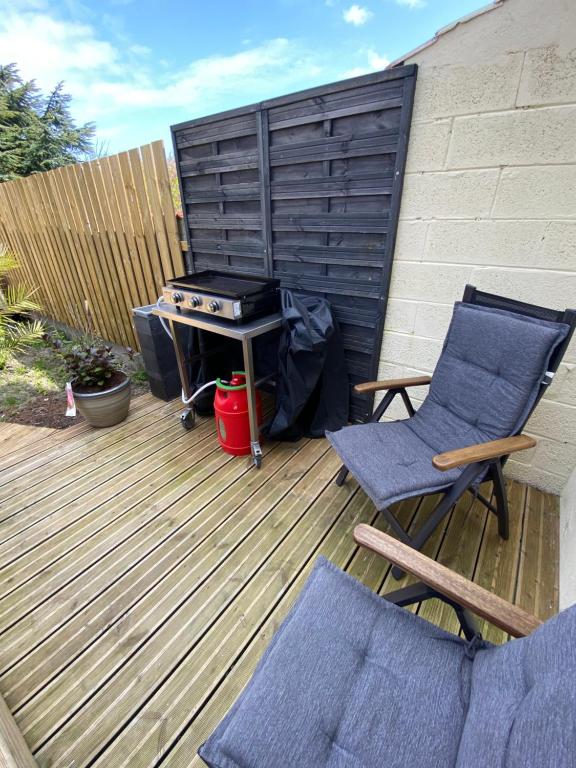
(104, 409)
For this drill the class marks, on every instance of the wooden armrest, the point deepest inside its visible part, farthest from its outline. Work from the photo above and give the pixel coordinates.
(496, 610)
(375, 386)
(482, 451)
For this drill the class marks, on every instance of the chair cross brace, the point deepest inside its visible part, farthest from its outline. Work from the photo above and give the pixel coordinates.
(499, 489)
(448, 500)
(419, 592)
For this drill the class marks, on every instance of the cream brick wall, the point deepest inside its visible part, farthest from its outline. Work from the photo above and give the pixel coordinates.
(490, 199)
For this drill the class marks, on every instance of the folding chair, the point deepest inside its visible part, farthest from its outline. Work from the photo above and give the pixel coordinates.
(351, 680)
(498, 358)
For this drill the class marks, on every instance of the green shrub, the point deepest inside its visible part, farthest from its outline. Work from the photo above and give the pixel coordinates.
(16, 329)
(90, 364)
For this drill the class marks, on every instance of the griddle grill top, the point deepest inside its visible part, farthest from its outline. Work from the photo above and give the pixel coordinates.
(230, 285)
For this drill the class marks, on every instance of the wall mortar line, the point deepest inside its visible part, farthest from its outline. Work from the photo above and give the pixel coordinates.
(520, 80)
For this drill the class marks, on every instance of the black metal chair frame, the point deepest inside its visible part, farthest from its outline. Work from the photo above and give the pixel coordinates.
(493, 467)
(420, 592)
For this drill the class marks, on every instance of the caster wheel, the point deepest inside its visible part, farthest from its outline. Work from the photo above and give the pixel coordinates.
(187, 419)
(257, 461)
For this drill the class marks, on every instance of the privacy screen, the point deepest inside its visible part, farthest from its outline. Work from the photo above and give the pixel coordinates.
(306, 188)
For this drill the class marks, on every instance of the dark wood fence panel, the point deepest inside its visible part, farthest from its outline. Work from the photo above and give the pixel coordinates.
(306, 188)
(219, 167)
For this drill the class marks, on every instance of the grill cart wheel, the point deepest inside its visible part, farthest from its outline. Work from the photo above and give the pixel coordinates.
(187, 418)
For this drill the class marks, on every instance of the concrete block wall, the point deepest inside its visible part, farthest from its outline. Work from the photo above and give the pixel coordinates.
(490, 199)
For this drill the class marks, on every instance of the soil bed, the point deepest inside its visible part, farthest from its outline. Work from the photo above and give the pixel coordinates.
(32, 387)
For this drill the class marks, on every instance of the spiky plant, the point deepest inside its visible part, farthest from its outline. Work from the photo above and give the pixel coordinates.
(15, 301)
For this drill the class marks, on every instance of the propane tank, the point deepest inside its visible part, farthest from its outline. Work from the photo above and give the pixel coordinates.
(231, 410)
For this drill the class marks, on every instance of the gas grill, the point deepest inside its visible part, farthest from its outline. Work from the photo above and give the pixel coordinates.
(237, 306)
(226, 295)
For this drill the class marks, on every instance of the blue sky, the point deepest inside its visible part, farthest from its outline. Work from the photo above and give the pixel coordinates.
(135, 67)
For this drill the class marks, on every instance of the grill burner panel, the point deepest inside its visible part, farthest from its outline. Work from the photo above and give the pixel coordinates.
(227, 295)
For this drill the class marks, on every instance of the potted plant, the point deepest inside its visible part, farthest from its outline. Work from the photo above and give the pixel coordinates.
(101, 389)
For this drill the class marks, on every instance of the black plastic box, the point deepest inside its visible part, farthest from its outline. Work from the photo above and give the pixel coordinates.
(157, 353)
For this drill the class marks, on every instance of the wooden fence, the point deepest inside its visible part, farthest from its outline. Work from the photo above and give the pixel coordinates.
(100, 235)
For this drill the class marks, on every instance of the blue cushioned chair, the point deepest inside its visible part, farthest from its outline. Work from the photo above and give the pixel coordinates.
(497, 360)
(352, 680)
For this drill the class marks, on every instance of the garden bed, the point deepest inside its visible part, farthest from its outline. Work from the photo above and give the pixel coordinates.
(32, 386)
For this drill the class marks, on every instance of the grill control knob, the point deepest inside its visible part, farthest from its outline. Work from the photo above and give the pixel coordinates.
(195, 301)
(177, 297)
(214, 306)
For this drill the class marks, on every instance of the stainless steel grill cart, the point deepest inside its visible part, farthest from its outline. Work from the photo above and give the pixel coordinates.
(243, 332)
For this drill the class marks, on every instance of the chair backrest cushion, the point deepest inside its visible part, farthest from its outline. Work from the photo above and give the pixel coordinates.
(487, 378)
(349, 680)
(522, 707)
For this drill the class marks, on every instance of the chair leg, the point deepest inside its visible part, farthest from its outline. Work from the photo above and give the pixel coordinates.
(342, 475)
(444, 506)
(417, 542)
(397, 573)
(501, 499)
(396, 527)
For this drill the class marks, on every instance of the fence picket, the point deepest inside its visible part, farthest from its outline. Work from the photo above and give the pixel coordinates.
(106, 190)
(166, 204)
(146, 218)
(156, 212)
(102, 233)
(137, 227)
(123, 206)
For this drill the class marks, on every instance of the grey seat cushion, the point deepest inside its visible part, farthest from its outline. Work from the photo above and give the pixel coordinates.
(484, 386)
(390, 461)
(351, 681)
(348, 680)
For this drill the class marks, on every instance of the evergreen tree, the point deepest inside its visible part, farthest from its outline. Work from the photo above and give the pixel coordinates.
(37, 132)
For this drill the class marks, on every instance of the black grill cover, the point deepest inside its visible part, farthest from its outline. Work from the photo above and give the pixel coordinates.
(312, 385)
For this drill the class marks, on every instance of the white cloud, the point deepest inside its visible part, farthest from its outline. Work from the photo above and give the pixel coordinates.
(22, 5)
(140, 50)
(375, 63)
(49, 50)
(206, 80)
(133, 94)
(412, 4)
(357, 15)
(104, 78)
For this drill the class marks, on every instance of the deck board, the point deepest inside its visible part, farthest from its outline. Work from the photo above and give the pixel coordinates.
(143, 572)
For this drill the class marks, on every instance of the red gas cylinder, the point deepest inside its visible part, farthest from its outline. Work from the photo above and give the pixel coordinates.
(231, 409)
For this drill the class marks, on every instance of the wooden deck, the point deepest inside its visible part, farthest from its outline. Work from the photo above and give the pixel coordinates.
(143, 572)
